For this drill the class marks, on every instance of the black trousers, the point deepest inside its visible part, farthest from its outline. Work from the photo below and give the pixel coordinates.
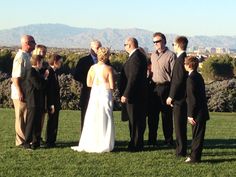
(180, 125)
(52, 127)
(161, 94)
(152, 115)
(137, 123)
(33, 125)
(198, 133)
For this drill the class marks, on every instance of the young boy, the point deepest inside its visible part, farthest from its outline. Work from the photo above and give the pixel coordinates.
(34, 94)
(197, 110)
(53, 100)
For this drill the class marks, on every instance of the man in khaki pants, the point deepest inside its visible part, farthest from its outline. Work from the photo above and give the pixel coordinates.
(21, 64)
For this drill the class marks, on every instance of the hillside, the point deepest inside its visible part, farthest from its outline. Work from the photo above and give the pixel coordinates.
(63, 36)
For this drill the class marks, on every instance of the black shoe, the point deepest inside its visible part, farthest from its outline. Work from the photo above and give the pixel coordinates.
(27, 146)
(169, 144)
(51, 145)
(152, 143)
(35, 146)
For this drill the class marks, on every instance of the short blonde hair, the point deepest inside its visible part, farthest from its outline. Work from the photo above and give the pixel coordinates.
(103, 54)
(39, 48)
(35, 58)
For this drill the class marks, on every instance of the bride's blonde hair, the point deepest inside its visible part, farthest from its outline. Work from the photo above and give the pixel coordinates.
(103, 54)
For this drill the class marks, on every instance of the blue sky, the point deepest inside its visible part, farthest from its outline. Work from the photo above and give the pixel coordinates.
(182, 17)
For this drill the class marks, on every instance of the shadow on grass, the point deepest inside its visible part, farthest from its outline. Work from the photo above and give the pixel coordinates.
(219, 143)
(62, 144)
(123, 145)
(218, 160)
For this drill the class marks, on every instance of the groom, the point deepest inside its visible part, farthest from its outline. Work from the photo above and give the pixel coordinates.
(133, 91)
(81, 72)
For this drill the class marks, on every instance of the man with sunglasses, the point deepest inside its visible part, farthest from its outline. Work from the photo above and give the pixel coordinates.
(162, 65)
(21, 65)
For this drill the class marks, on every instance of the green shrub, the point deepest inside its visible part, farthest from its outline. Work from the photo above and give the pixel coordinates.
(6, 60)
(218, 68)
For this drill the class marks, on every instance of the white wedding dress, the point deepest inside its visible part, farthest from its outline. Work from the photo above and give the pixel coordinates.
(98, 134)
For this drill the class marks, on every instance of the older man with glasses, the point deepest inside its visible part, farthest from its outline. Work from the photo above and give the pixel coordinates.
(21, 65)
(162, 60)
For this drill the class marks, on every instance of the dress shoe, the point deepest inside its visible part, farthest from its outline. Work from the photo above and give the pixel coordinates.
(152, 143)
(51, 145)
(169, 144)
(27, 146)
(35, 146)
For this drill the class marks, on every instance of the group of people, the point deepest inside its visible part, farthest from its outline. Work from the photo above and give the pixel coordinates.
(168, 83)
(35, 91)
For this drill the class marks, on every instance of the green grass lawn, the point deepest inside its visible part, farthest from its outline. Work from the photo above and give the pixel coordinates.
(219, 154)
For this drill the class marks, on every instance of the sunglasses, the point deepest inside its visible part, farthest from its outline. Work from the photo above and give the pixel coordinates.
(155, 42)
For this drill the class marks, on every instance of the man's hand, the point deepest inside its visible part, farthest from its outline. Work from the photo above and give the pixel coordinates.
(191, 121)
(52, 109)
(123, 99)
(169, 101)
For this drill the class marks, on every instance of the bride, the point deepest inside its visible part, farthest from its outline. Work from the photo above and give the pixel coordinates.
(98, 134)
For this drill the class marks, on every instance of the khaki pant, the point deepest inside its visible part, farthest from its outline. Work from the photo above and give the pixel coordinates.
(20, 122)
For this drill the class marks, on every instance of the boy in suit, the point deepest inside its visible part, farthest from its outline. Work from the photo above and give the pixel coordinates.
(34, 94)
(53, 100)
(197, 110)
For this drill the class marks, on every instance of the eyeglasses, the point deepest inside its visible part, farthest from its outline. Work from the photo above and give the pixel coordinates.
(31, 42)
(155, 42)
(125, 45)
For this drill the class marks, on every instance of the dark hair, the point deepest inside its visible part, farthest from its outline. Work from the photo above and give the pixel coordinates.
(182, 41)
(35, 58)
(160, 35)
(54, 58)
(192, 62)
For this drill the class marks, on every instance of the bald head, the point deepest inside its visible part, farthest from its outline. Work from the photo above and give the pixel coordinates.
(27, 43)
(131, 43)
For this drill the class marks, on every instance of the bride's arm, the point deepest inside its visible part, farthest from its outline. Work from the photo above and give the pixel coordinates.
(90, 77)
(111, 79)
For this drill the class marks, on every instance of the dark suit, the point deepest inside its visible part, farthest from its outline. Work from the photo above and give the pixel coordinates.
(197, 109)
(35, 100)
(133, 86)
(178, 95)
(53, 98)
(81, 72)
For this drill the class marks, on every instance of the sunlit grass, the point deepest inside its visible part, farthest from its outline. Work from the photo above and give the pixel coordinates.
(219, 154)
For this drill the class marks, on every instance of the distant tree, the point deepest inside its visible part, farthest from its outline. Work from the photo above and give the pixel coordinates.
(118, 59)
(218, 68)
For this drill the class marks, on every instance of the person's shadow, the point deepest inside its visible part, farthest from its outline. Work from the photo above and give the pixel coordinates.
(223, 146)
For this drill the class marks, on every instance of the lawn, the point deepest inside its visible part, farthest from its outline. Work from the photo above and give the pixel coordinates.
(219, 154)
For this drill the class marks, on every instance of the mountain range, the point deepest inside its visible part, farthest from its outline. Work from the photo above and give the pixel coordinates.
(64, 36)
